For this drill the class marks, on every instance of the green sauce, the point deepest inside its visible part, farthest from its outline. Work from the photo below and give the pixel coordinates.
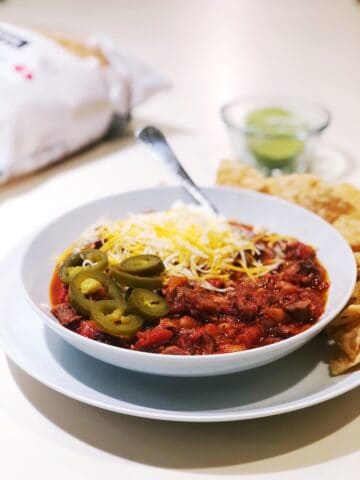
(273, 137)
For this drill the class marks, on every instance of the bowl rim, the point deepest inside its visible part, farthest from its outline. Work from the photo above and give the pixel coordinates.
(325, 318)
(305, 134)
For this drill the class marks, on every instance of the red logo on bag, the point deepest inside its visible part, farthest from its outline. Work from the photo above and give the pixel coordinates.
(24, 72)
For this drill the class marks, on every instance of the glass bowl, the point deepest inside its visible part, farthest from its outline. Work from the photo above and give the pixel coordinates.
(275, 134)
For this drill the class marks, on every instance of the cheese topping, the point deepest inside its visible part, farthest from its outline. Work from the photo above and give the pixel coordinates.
(191, 242)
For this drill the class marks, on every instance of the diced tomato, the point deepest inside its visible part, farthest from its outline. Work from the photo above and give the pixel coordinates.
(152, 338)
(58, 290)
(88, 328)
(188, 322)
(211, 329)
(250, 336)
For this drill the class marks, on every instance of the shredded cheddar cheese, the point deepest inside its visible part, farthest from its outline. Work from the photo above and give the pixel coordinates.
(191, 242)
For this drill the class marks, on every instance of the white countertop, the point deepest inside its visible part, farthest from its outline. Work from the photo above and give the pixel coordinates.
(212, 50)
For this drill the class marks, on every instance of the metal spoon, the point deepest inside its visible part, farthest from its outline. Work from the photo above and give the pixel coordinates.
(154, 138)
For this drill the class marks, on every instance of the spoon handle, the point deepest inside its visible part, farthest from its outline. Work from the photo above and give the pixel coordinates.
(153, 137)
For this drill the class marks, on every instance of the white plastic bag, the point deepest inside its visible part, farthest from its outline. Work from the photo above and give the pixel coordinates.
(58, 94)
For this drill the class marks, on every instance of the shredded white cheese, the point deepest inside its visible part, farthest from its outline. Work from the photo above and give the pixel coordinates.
(190, 240)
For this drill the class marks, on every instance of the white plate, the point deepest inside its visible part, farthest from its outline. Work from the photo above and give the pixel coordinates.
(249, 207)
(298, 381)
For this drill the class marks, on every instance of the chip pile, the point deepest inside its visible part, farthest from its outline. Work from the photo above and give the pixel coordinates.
(344, 330)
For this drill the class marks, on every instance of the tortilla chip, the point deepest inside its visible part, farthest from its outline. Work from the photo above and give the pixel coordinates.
(348, 339)
(291, 185)
(350, 194)
(310, 192)
(342, 364)
(235, 174)
(304, 189)
(349, 227)
(350, 315)
(345, 332)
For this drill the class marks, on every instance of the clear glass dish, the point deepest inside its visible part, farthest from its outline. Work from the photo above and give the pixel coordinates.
(275, 134)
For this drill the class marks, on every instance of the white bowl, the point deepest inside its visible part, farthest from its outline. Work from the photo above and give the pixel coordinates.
(249, 207)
